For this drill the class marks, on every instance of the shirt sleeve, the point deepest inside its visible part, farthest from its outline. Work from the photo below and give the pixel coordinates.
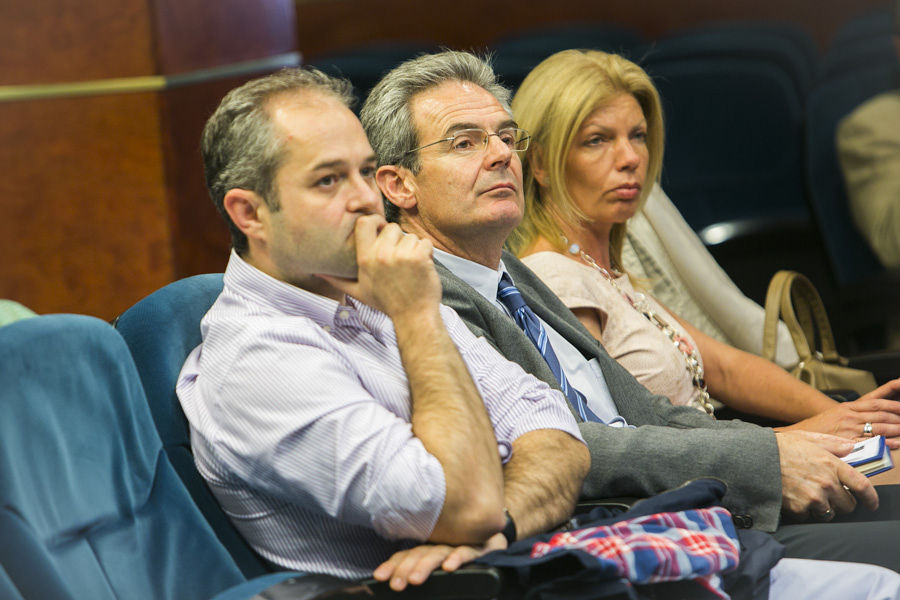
(516, 402)
(308, 432)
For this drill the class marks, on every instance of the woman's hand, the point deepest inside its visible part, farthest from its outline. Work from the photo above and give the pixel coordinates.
(849, 418)
(888, 391)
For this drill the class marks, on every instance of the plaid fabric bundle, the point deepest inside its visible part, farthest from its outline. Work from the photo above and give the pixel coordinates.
(696, 544)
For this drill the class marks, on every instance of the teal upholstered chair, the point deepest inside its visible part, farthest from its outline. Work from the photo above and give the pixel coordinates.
(90, 506)
(160, 331)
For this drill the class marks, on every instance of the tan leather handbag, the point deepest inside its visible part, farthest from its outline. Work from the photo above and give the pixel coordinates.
(794, 298)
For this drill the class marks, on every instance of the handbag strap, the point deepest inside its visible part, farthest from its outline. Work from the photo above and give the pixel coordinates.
(773, 311)
(792, 297)
(802, 341)
(811, 314)
(802, 303)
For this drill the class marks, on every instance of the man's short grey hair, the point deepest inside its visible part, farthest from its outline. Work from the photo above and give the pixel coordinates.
(239, 145)
(386, 115)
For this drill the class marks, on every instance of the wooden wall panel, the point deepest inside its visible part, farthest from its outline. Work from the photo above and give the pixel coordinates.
(85, 226)
(103, 194)
(201, 242)
(198, 34)
(331, 25)
(53, 41)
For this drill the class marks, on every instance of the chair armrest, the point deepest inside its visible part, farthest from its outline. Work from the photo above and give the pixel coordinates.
(864, 311)
(471, 582)
(310, 587)
(582, 513)
(623, 503)
(883, 365)
(287, 584)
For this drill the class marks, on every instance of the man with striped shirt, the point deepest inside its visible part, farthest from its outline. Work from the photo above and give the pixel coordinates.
(345, 420)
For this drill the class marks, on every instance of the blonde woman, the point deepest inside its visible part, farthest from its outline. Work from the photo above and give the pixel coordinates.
(596, 152)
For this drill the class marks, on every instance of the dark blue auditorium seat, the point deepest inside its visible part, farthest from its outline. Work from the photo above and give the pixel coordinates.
(848, 253)
(365, 65)
(867, 295)
(8, 590)
(860, 63)
(848, 58)
(781, 44)
(871, 24)
(544, 41)
(90, 506)
(160, 331)
(516, 55)
(862, 42)
(733, 99)
(733, 138)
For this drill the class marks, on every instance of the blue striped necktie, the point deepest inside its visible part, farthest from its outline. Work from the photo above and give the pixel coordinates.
(531, 325)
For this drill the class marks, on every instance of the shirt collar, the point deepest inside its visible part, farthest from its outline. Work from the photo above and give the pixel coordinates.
(484, 280)
(265, 290)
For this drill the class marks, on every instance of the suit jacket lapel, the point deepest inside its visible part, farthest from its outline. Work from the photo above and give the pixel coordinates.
(551, 309)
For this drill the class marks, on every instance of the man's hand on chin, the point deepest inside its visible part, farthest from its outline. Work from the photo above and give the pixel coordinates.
(395, 273)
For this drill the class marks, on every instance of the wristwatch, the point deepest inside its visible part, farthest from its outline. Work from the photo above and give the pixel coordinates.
(509, 530)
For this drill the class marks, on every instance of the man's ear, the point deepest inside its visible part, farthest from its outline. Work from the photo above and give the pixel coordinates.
(248, 212)
(536, 164)
(398, 186)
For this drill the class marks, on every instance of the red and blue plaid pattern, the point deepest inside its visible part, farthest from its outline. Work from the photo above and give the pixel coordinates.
(694, 544)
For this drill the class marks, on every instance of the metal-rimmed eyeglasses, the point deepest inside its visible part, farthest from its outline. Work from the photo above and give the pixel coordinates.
(466, 141)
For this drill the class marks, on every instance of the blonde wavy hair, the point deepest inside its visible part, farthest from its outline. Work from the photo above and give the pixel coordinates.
(551, 104)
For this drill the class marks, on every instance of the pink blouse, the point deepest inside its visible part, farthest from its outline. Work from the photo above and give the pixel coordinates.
(628, 335)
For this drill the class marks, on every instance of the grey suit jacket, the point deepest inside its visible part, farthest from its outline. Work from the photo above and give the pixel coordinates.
(670, 445)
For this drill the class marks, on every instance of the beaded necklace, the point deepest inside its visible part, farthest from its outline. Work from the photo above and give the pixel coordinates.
(639, 302)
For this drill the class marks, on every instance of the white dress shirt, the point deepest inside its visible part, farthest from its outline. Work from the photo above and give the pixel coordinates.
(582, 374)
(300, 423)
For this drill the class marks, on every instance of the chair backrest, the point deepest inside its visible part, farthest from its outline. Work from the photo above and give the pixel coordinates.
(544, 41)
(365, 65)
(161, 330)
(90, 506)
(515, 56)
(8, 590)
(849, 255)
(841, 61)
(863, 41)
(733, 138)
(781, 44)
(876, 23)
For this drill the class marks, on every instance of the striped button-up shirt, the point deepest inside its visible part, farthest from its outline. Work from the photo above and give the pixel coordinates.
(300, 422)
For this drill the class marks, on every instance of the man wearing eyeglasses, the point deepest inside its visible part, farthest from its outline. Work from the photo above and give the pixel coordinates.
(486, 193)
(450, 169)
